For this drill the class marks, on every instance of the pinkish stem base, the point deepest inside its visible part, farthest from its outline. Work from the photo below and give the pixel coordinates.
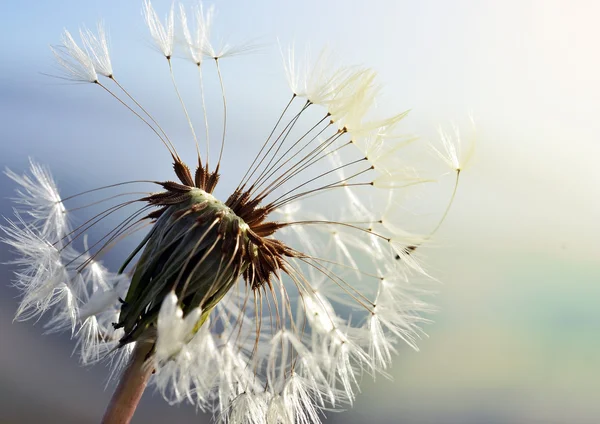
(130, 389)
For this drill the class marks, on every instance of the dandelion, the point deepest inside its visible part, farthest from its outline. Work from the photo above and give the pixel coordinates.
(260, 307)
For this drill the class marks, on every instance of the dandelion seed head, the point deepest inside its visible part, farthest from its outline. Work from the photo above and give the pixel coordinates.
(267, 306)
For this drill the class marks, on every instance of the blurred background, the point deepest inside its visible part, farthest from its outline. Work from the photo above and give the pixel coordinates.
(517, 335)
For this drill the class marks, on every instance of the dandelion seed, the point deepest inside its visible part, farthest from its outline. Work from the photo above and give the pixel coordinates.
(197, 43)
(163, 35)
(453, 154)
(262, 307)
(75, 61)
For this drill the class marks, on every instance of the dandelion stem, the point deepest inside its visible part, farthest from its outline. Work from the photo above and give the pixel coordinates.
(167, 143)
(437, 227)
(243, 181)
(185, 111)
(224, 111)
(145, 111)
(128, 393)
(205, 116)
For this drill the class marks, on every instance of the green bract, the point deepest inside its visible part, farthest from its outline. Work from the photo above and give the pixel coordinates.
(197, 248)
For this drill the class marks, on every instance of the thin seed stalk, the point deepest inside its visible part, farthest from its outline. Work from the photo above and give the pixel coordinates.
(128, 393)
